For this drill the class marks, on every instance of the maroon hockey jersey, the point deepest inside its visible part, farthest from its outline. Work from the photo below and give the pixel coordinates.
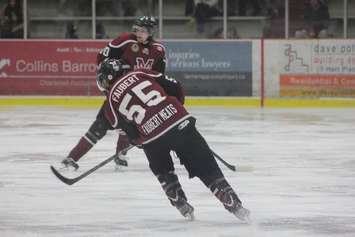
(150, 56)
(139, 99)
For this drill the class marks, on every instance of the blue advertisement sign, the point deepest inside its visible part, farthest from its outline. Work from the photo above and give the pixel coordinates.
(211, 68)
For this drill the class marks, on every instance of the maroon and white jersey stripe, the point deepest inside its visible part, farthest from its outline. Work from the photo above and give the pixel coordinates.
(139, 99)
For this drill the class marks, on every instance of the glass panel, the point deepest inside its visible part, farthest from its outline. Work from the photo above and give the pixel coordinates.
(316, 18)
(126, 8)
(351, 19)
(11, 19)
(111, 28)
(59, 19)
(114, 17)
(254, 19)
(184, 19)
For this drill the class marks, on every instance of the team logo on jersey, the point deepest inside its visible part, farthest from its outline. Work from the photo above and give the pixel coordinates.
(141, 64)
(145, 51)
(135, 48)
(4, 62)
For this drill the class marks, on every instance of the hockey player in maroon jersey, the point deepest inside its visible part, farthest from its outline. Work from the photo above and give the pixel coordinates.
(147, 106)
(140, 51)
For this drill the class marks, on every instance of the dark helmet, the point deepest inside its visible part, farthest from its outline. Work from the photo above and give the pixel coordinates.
(108, 71)
(148, 22)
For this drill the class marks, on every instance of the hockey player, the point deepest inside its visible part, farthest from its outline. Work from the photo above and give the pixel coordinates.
(140, 51)
(145, 105)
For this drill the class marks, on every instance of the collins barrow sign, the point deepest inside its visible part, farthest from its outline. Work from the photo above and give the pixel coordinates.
(211, 68)
(48, 67)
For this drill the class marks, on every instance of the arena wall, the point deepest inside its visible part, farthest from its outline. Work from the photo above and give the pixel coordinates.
(296, 73)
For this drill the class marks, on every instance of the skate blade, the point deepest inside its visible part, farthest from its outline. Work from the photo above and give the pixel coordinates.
(190, 216)
(118, 168)
(243, 215)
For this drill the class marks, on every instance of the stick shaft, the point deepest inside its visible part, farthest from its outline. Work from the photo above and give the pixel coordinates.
(230, 166)
(71, 181)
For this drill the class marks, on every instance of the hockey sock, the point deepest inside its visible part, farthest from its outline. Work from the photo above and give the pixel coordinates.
(122, 143)
(83, 146)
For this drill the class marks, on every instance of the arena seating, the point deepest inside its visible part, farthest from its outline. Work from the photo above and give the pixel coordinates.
(47, 20)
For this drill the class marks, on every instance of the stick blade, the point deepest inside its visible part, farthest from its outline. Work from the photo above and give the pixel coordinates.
(232, 167)
(61, 177)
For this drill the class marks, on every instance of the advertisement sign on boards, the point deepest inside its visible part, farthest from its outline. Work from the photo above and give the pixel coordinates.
(66, 67)
(212, 68)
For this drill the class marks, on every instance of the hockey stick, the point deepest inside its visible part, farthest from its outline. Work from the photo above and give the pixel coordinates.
(229, 166)
(71, 181)
(239, 168)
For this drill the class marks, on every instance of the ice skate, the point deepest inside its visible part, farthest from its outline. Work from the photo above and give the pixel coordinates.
(121, 157)
(69, 163)
(176, 195)
(120, 161)
(242, 213)
(237, 209)
(230, 200)
(186, 210)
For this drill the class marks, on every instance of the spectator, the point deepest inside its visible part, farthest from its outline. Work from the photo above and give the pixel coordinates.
(71, 31)
(12, 22)
(74, 8)
(231, 7)
(129, 9)
(316, 20)
(189, 7)
(116, 7)
(242, 7)
(275, 10)
(205, 9)
(100, 31)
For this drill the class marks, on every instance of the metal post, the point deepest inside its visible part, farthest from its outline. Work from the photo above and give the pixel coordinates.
(25, 19)
(225, 29)
(262, 71)
(93, 21)
(160, 19)
(346, 14)
(287, 18)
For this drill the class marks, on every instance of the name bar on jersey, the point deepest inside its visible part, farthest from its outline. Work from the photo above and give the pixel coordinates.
(157, 119)
(120, 89)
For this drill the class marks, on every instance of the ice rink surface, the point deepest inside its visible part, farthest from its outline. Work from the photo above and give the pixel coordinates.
(303, 183)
